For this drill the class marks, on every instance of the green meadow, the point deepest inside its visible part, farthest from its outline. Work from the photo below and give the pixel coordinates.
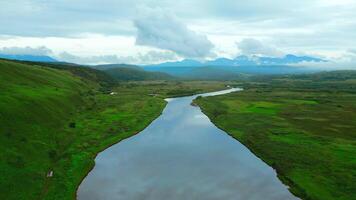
(57, 118)
(304, 129)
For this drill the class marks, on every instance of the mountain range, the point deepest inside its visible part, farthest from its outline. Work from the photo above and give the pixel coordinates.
(238, 61)
(241, 61)
(241, 64)
(220, 68)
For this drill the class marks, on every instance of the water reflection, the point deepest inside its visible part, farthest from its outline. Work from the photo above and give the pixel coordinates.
(181, 155)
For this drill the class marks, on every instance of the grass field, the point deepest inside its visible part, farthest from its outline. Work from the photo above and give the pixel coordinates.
(56, 120)
(302, 127)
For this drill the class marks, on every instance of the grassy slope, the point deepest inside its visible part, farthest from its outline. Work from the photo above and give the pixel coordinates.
(37, 105)
(85, 73)
(34, 101)
(51, 119)
(303, 127)
(136, 74)
(212, 73)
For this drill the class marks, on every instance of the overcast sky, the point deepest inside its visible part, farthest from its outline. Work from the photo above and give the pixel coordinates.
(151, 31)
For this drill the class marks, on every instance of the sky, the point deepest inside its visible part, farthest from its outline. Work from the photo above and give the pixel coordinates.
(154, 31)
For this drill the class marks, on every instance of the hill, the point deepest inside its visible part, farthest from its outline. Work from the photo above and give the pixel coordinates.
(211, 73)
(53, 121)
(136, 74)
(173, 71)
(245, 69)
(111, 66)
(84, 72)
(35, 103)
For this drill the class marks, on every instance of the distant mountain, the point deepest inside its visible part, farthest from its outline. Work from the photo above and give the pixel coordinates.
(212, 73)
(288, 59)
(111, 66)
(220, 62)
(269, 69)
(241, 61)
(238, 61)
(240, 64)
(221, 68)
(136, 74)
(174, 71)
(33, 58)
(182, 63)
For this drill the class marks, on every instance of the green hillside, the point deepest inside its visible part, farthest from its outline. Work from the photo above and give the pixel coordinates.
(212, 73)
(85, 73)
(58, 117)
(111, 66)
(136, 74)
(54, 120)
(34, 101)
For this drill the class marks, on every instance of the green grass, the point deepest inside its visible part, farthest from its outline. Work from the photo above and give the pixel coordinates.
(34, 101)
(112, 119)
(136, 74)
(57, 119)
(306, 131)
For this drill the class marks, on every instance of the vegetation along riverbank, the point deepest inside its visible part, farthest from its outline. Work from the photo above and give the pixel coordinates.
(55, 118)
(301, 125)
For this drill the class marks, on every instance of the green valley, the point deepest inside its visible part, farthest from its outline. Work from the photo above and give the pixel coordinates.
(54, 119)
(177, 100)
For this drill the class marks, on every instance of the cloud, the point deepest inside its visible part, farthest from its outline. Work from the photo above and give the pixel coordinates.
(160, 29)
(320, 27)
(156, 57)
(66, 18)
(101, 59)
(352, 51)
(141, 58)
(342, 64)
(37, 51)
(251, 47)
(345, 61)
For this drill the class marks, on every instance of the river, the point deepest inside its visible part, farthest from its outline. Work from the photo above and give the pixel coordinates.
(180, 156)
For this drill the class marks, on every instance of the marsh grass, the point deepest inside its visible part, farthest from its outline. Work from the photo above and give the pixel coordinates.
(304, 129)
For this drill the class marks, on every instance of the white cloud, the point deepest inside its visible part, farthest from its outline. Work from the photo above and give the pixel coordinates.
(322, 27)
(158, 28)
(140, 58)
(344, 61)
(38, 51)
(88, 49)
(331, 65)
(102, 59)
(156, 57)
(252, 46)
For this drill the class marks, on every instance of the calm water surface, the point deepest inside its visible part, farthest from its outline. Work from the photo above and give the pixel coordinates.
(181, 155)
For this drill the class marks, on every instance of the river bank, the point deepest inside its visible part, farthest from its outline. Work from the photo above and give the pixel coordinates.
(303, 131)
(170, 158)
